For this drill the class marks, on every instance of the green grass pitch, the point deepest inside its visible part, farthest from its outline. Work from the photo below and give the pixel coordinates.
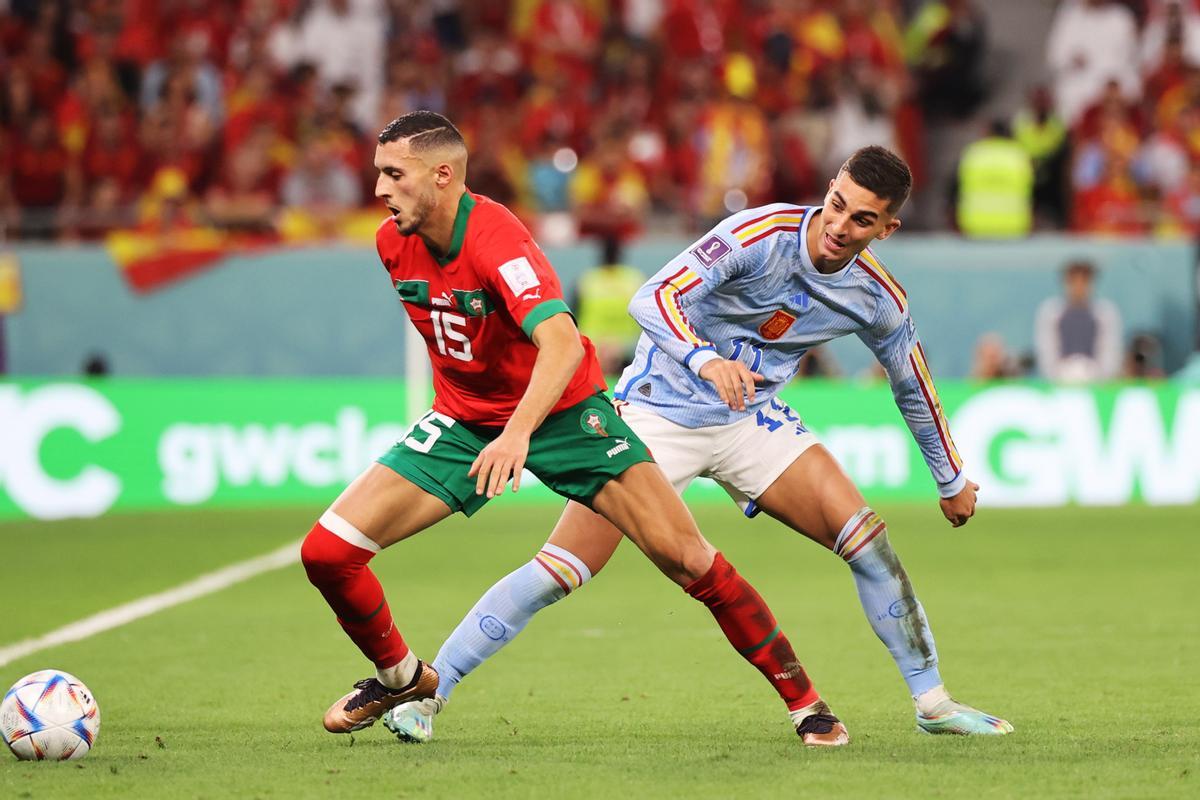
(1078, 625)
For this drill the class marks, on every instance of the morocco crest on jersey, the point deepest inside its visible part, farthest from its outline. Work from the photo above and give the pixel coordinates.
(593, 422)
(777, 325)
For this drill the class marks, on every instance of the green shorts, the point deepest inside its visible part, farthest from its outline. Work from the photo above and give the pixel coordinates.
(574, 452)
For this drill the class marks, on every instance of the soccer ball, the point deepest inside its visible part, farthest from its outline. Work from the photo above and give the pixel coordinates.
(49, 715)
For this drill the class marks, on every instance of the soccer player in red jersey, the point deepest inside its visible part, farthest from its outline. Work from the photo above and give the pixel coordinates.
(516, 386)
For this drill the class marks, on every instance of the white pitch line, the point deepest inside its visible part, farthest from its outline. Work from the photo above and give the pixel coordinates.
(152, 604)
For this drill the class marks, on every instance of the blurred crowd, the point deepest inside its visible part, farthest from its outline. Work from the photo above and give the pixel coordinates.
(1113, 138)
(586, 116)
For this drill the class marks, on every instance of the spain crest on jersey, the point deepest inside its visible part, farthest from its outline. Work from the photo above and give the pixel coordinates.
(777, 325)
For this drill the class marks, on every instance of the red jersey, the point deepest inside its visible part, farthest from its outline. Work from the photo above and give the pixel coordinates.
(477, 308)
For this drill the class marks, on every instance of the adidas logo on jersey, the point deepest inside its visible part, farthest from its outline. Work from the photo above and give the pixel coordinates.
(620, 448)
(644, 390)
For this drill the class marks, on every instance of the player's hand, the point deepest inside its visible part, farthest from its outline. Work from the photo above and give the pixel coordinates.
(961, 507)
(734, 381)
(503, 458)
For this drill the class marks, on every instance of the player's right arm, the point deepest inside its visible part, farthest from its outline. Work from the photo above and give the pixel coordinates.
(667, 305)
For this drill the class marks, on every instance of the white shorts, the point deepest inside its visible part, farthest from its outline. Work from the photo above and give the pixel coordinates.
(744, 457)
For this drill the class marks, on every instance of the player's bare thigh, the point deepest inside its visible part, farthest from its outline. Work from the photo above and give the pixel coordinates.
(814, 496)
(387, 507)
(642, 505)
(587, 535)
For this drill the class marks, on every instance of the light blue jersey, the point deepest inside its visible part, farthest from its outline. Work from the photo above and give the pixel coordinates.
(748, 291)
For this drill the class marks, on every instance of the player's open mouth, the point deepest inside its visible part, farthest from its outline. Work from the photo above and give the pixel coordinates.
(831, 243)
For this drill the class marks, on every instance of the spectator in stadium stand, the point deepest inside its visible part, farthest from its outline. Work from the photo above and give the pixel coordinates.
(16, 100)
(1170, 22)
(94, 89)
(412, 86)
(1181, 207)
(732, 145)
(1111, 105)
(861, 115)
(319, 190)
(178, 133)
(564, 37)
(1109, 133)
(548, 182)
(1091, 42)
(1041, 132)
(945, 45)
(992, 360)
(1078, 338)
(37, 172)
(608, 193)
(695, 29)
(1144, 358)
(253, 99)
(243, 199)
(186, 62)
(1160, 165)
(602, 298)
(47, 76)
(112, 151)
(346, 42)
(1169, 75)
(994, 192)
(1113, 205)
(167, 205)
(489, 69)
(552, 104)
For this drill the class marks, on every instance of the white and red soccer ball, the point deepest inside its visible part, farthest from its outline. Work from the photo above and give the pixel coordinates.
(49, 716)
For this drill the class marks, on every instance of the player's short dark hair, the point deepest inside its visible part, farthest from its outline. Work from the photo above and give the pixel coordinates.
(881, 171)
(426, 130)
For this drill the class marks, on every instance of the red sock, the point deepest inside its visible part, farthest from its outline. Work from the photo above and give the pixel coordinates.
(751, 628)
(339, 570)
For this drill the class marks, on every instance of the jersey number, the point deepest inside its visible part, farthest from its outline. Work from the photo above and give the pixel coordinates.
(432, 431)
(739, 345)
(447, 335)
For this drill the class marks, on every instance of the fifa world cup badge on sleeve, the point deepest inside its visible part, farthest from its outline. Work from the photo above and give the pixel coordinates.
(711, 250)
(519, 275)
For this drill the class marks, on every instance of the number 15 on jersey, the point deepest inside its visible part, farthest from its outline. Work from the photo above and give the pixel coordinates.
(448, 330)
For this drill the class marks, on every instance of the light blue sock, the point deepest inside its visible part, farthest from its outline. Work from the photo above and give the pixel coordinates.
(504, 610)
(888, 600)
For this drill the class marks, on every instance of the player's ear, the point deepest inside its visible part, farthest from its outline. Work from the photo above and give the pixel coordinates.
(443, 174)
(891, 227)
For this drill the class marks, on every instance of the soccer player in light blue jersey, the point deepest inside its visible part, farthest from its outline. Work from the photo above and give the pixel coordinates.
(725, 324)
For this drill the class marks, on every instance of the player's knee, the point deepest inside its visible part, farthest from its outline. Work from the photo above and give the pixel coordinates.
(865, 531)
(688, 564)
(321, 556)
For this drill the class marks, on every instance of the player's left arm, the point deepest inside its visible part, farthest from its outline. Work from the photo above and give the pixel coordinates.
(517, 272)
(894, 341)
(559, 353)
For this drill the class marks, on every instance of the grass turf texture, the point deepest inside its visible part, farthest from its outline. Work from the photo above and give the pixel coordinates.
(1077, 625)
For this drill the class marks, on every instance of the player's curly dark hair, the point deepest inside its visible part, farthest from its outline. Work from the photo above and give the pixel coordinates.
(427, 130)
(883, 172)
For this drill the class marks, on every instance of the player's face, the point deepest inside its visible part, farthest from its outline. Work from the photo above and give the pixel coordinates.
(851, 218)
(405, 185)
